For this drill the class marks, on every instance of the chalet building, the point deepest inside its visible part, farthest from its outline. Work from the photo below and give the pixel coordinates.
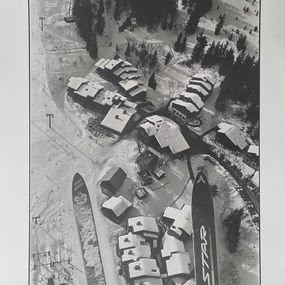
(205, 78)
(231, 137)
(147, 160)
(178, 263)
(253, 152)
(93, 96)
(192, 98)
(164, 135)
(136, 253)
(182, 110)
(180, 221)
(147, 227)
(145, 271)
(198, 90)
(115, 208)
(123, 74)
(113, 180)
(130, 240)
(205, 85)
(118, 119)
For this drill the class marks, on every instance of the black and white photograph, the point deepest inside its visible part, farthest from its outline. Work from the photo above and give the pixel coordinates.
(144, 142)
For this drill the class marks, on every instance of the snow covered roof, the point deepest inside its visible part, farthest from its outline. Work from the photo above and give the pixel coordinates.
(103, 63)
(166, 132)
(117, 119)
(128, 84)
(207, 86)
(115, 176)
(193, 97)
(143, 224)
(89, 89)
(75, 82)
(99, 62)
(118, 205)
(171, 244)
(112, 64)
(189, 106)
(144, 267)
(130, 240)
(182, 218)
(178, 264)
(254, 149)
(205, 77)
(233, 134)
(133, 254)
(137, 91)
(108, 98)
(197, 89)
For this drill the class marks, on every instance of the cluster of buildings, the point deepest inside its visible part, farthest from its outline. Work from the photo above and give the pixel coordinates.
(163, 134)
(124, 75)
(191, 101)
(150, 259)
(116, 108)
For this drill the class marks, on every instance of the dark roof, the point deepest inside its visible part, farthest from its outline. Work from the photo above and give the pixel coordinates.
(115, 176)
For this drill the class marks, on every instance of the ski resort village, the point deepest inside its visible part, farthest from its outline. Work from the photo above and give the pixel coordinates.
(144, 130)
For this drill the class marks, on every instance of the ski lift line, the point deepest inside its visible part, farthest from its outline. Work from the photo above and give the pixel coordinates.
(80, 151)
(51, 138)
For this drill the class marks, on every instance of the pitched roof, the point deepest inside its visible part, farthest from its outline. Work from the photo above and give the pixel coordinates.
(108, 98)
(118, 205)
(112, 64)
(205, 77)
(178, 264)
(182, 218)
(115, 176)
(144, 267)
(254, 149)
(143, 224)
(75, 82)
(233, 134)
(133, 254)
(195, 98)
(130, 240)
(171, 244)
(128, 84)
(189, 106)
(197, 89)
(166, 132)
(117, 119)
(207, 86)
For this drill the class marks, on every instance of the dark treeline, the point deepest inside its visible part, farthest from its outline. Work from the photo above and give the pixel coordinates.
(149, 13)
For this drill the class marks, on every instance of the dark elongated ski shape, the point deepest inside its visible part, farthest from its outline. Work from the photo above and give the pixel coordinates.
(204, 235)
(87, 232)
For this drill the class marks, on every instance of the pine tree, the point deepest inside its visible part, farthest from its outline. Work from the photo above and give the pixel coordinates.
(128, 51)
(92, 47)
(241, 43)
(177, 44)
(183, 44)
(153, 60)
(232, 222)
(199, 49)
(100, 25)
(231, 36)
(168, 58)
(220, 24)
(164, 24)
(152, 81)
(193, 22)
(227, 62)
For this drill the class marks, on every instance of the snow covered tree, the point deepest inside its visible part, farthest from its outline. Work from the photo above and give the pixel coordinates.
(241, 43)
(227, 62)
(183, 44)
(220, 24)
(232, 223)
(152, 81)
(207, 60)
(193, 22)
(199, 49)
(168, 58)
